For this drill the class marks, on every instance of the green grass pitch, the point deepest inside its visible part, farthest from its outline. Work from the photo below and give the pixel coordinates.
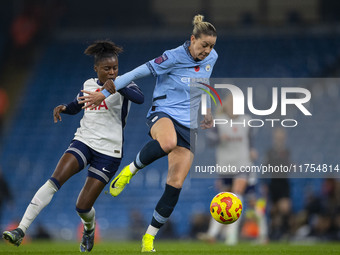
(173, 247)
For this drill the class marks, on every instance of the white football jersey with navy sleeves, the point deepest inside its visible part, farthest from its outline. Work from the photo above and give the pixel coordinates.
(102, 128)
(234, 146)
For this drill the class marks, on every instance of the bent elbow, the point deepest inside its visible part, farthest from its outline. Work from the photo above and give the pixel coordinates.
(141, 101)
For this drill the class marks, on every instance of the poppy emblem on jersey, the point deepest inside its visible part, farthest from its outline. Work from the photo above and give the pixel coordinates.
(161, 59)
(197, 68)
(207, 68)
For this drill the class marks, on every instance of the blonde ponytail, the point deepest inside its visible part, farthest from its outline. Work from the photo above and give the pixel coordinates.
(197, 19)
(202, 27)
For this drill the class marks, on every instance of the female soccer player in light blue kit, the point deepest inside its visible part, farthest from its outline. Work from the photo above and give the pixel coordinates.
(172, 116)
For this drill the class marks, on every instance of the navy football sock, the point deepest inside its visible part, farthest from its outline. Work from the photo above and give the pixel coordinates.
(149, 153)
(165, 206)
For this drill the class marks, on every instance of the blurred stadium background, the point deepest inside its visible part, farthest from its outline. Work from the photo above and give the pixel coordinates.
(43, 65)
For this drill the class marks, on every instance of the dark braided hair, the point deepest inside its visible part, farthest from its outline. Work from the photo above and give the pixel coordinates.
(103, 49)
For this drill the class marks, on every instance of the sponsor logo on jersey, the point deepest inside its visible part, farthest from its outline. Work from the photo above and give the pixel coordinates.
(154, 119)
(188, 80)
(161, 59)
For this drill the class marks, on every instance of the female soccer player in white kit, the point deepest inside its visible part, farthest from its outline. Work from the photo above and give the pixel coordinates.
(171, 118)
(234, 147)
(98, 142)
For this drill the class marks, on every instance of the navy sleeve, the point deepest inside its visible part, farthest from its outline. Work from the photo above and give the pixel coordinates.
(132, 93)
(73, 107)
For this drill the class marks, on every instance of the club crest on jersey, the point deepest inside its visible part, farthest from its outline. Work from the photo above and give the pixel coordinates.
(161, 59)
(207, 68)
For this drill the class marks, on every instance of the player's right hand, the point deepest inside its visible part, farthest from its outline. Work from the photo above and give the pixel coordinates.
(91, 99)
(57, 111)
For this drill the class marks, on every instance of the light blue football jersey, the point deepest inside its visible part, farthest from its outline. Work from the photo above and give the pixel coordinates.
(175, 94)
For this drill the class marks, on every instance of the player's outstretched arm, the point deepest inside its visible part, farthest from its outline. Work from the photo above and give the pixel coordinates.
(57, 111)
(94, 99)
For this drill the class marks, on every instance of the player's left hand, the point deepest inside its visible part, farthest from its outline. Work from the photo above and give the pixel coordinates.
(207, 122)
(56, 112)
(92, 99)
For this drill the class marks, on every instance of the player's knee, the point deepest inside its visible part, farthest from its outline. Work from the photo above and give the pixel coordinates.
(175, 182)
(168, 144)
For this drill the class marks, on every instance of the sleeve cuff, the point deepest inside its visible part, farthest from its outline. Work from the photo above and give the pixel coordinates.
(152, 70)
(106, 93)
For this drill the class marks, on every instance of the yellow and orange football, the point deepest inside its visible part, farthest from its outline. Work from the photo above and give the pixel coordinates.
(226, 207)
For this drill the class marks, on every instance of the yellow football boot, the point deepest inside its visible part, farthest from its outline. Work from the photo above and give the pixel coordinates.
(119, 183)
(147, 243)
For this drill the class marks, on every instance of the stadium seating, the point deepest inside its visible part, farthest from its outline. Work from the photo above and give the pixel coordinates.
(35, 144)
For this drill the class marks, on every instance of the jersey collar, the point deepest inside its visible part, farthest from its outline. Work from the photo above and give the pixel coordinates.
(99, 83)
(186, 47)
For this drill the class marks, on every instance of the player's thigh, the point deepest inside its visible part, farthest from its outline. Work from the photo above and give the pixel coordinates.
(164, 132)
(89, 193)
(180, 160)
(67, 166)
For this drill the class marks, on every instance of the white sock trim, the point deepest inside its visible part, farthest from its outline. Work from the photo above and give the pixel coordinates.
(152, 230)
(133, 168)
(88, 219)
